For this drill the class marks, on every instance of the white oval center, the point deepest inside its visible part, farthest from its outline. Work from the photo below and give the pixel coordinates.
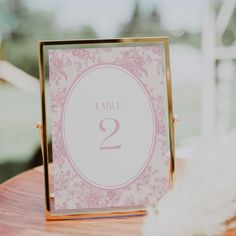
(108, 127)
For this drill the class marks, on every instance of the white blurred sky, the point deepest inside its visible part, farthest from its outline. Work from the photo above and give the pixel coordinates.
(106, 15)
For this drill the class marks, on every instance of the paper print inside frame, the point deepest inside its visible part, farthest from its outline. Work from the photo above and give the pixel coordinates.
(110, 131)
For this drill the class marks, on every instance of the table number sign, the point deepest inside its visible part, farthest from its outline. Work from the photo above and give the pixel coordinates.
(109, 110)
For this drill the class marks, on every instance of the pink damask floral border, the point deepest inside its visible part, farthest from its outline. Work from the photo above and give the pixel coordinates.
(73, 192)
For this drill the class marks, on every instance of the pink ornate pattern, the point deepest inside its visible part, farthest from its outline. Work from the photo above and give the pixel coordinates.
(71, 191)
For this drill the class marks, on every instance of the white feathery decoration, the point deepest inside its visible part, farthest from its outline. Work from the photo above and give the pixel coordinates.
(204, 197)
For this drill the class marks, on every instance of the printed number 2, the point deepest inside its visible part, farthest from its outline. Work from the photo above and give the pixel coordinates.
(103, 146)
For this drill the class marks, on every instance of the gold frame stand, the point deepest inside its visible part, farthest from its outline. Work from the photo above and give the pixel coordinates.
(49, 196)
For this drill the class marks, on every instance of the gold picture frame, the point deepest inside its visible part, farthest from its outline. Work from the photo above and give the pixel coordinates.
(49, 195)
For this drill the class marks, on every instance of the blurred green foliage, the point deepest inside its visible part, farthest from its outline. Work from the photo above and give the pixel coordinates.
(21, 28)
(151, 25)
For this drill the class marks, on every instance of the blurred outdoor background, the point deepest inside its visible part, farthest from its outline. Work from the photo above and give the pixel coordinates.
(203, 55)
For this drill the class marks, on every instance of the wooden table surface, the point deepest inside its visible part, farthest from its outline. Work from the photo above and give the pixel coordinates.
(22, 213)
